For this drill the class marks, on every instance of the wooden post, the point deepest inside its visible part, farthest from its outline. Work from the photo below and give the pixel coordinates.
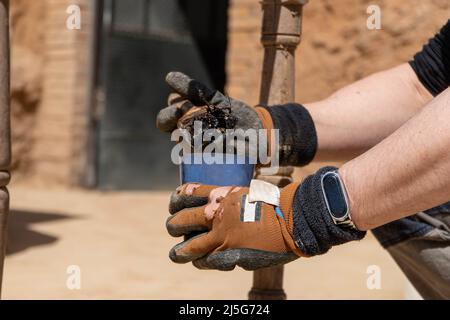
(5, 132)
(281, 31)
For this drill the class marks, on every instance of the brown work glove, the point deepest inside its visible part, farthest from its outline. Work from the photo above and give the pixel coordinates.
(233, 231)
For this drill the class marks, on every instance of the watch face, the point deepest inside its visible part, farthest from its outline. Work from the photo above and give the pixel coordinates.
(334, 195)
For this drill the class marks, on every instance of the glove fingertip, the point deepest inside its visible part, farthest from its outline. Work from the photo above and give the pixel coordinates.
(177, 257)
(178, 229)
(167, 118)
(174, 257)
(215, 261)
(171, 228)
(176, 203)
(181, 201)
(174, 76)
(179, 82)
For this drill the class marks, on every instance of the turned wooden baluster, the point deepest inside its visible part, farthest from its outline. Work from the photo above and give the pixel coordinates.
(281, 31)
(5, 133)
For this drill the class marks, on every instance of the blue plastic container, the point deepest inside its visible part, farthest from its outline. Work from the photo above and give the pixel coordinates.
(234, 171)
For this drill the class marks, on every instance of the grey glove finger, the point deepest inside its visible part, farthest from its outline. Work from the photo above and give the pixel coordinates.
(193, 90)
(188, 221)
(182, 201)
(167, 118)
(192, 249)
(248, 259)
(174, 98)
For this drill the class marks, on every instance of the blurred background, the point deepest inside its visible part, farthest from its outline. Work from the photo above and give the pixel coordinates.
(91, 173)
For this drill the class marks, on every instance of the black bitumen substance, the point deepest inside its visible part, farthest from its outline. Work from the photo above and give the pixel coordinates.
(217, 118)
(212, 117)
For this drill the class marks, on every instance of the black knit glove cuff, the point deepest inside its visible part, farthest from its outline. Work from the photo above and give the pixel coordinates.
(298, 138)
(314, 230)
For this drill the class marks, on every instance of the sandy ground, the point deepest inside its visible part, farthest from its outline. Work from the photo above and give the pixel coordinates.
(120, 243)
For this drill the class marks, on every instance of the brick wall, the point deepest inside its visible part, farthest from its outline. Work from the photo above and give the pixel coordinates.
(60, 125)
(336, 48)
(244, 57)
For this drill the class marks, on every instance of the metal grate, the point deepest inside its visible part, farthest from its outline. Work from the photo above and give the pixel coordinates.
(161, 18)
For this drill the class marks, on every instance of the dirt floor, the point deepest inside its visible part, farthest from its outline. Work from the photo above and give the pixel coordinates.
(120, 243)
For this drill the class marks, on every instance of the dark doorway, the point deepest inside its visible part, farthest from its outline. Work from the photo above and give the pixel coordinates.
(141, 41)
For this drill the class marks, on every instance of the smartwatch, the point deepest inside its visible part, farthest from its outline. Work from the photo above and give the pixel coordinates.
(336, 199)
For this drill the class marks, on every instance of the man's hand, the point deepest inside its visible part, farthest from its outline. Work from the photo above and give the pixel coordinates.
(233, 231)
(191, 95)
(297, 142)
(254, 227)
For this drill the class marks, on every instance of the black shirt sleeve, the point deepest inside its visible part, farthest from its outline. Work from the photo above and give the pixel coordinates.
(432, 64)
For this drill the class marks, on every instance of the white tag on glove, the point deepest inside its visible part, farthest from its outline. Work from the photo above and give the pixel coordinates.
(265, 192)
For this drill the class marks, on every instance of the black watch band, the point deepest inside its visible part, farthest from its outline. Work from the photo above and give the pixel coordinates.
(336, 199)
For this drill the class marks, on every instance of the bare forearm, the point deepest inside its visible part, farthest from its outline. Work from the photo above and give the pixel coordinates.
(406, 173)
(362, 114)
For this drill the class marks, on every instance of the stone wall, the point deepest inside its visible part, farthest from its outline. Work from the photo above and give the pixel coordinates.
(337, 48)
(27, 57)
(49, 90)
